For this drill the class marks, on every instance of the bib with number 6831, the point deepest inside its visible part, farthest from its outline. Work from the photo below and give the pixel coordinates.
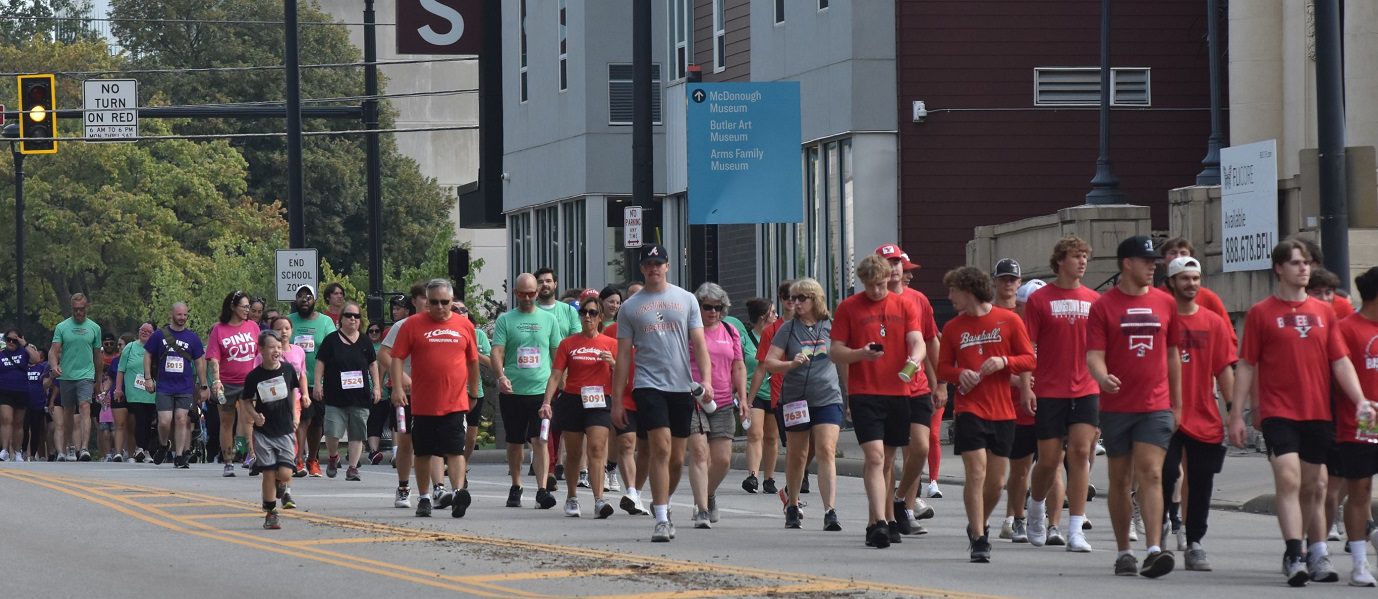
(528, 357)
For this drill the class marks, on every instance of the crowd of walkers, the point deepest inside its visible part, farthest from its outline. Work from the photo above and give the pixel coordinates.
(629, 389)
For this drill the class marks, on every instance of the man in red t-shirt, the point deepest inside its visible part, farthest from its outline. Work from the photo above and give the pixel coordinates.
(981, 348)
(1179, 247)
(1131, 352)
(1204, 340)
(878, 336)
(1356, 456)
(632, 456)
(1304, 356)
(1067, 407)
(444, 375)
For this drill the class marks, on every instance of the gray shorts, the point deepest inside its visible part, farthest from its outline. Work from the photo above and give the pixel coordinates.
(232, 393)
(1121, 430)
(721, 424)
(339, 421)
(75, 392)
(167, 402)
(274, 452)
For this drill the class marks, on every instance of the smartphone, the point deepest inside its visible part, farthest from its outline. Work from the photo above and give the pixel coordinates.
(876, 347)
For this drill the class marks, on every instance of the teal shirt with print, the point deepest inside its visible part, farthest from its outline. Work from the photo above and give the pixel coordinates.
(309, 335)
(132, 365)
(749, 355)
(78, 342)
(485, 347)
(528, 341)
(568, 317)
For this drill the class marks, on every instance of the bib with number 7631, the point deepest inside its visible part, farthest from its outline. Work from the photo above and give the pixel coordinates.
(796, 413)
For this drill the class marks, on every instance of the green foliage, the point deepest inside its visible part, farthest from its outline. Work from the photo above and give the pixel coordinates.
(21, 20)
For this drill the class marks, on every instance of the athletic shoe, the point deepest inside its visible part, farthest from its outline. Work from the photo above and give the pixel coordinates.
(375, 457)
(904, 522)
(1137, 518)
(1321, 570)
(403, 499)
(1007, 527)
(980, 550)
(229, 469)
(559, 472)
(4, 455)
(584, 480)
(1334, 533)
(119, 457)
(768, 486)
(140, 455)
(572, 507)
(72, 454)
(1020, 531)
(792, 518)
(1181, 534)
(544, 500)
(922, 511)
(1157, 564)
(661, 533)
(1055, 537)
(1085, 523)
(669, 515)
(61, 457)
(804, 486)
(19, 457)
(602, 509)
(830, 521)
(750, 484)
(894, 531)
(1360, 576)
(550, 484)
(248, 462)
(1295, 571)
(933, 491)
(1373, 538)
(182, 462)
(1037, 532)
(423, 507)
(1100, 448)
(1090, 492)
(313, 466)
(1126, 565)
(84, 456)
(1133, 534)
(701, 519)
(352, 473)
(611, 482)
(713, 509)
(271, 521)
(1076, 543)
(1196, 559)
(301, 471)
(109, 458)
(287, 503)
(461, 503)
(878, 535)
(514, 496)
(633, 506)
(442, 499)
(332, 466)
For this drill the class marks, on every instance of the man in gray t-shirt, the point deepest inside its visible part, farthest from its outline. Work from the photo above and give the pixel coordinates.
(663, 323)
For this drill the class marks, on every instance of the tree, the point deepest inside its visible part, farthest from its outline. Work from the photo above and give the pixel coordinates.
(56, 20)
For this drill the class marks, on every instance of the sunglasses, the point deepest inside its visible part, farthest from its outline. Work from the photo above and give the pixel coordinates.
(11, 340)
(436, 302)
(350, 315)
(372, 331)
(800, 298)
(589, 312)
(713, 307)
(527, 294)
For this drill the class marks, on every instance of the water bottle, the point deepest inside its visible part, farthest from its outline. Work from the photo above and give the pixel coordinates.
(401, 419)
(707, 404)
(746, 424)
(220, 395)
(545, 429)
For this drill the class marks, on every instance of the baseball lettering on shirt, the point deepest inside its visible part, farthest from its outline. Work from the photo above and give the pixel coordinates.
(1301, 322)
(1371, 353)
(660, 326)
(1140, 325)
(1070, 310)
(980, 339)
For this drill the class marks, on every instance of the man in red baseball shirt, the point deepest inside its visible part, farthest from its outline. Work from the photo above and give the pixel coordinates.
(1356, 451)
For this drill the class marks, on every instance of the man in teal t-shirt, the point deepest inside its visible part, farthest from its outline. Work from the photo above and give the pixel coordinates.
(74, 355)
(524, 341)
(309, 330)
(567, 315)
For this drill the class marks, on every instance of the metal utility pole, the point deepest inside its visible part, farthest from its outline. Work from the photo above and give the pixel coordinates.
(643, 153)
(1105, 186)
(374, 168)
(296, 217)
(11, 131)
(1210, 174)
(1330, 125)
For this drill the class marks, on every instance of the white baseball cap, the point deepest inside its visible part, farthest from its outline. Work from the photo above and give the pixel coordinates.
(1182, 264)
(1027, 289)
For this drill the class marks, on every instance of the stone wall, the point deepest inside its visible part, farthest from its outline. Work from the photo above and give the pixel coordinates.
(1031, 240)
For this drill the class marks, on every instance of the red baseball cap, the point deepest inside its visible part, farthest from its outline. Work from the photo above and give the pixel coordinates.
(891, 251)
(907, 264)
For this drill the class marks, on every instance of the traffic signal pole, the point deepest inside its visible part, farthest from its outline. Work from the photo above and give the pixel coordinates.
(374, 169)
(296, 215)
(18, 238)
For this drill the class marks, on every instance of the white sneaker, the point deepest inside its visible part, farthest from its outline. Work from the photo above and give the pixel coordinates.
(1133, 534)
(933, 491)
(4, 455)
(611, 482)
(1038, 531)
(1360, 576)
(1100, 448)
(1332, 535)
(19, 456)
(1137, 519)
(1076, 542)
(572, 507)
(1181, 538)
(701, 519)
(1007, 528)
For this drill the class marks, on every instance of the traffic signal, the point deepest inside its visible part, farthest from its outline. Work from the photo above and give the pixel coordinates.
(37, 114)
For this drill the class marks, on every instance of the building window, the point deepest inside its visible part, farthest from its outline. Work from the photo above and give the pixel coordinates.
(1080, 86)
(521, 70)
(519, 240)
(620, 94)
(574, 270)
(822, 4)
(680, 33)
(547, 229)
(564, 46)
(719, 36)
(779, 11)
(822, 247)
(616, 271)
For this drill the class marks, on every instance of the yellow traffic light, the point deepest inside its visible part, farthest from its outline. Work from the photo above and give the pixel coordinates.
(37, 98)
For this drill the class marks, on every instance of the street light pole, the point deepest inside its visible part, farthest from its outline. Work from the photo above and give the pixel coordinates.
(373, 167)
(11, 131)
(1210, 175)
(296, 215)
(1330, 129)
(1105, 186)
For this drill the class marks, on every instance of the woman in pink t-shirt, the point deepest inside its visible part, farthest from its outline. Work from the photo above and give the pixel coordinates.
(710, 438)
(230, 353)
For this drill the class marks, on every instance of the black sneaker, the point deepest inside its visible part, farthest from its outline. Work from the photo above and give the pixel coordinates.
(980, 550)
(792, 518)
(894, 531)
(768, 486)
(804, 487)
(423, 508)
(460, 504)
(1157, 564)
(903, 524)
(181, 462)
(160, 455)
(550, 484)
(750, 485)
(1126, 565)
(544, 500)
(559, 473)
(287, 503)
(878, 535)
(830, 522)
(442, 499)
(514, 496)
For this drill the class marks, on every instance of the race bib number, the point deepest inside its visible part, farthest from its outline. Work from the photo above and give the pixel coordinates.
(140, 382)
(307, 343)
(528, 357)
(353, 379)
(593, 397)
(174, 365)
(273, 389)
(796, 413)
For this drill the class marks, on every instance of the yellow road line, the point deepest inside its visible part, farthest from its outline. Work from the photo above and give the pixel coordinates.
(742, 591)
(221, 516)
(549, 574)
(159, 494)
(182, 504)
(314, 542)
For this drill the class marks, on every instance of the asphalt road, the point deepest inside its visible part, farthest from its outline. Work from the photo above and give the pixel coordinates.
(138, 530)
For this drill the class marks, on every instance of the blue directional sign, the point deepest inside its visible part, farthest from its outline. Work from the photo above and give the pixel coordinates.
(744, 161)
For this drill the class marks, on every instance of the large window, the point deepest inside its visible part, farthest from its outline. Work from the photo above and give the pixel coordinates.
(779, 11)
(519, 242)
(547, 230)
(620, 94)
(681, 33)
(554, 235)
(822, 247)
(521, 70)
(574, 269)
(719, 36)
(564, 45)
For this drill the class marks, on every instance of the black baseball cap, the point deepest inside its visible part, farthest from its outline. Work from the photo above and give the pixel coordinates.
(1138, 246)
(1008, 267)
(654, 253)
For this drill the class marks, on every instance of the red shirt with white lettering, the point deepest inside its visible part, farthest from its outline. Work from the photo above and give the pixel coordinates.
(1136, 332)
(919, 385)
(582, 360)
(777, 380)
(441, 353)
(1291, 346)
(1360, 337)
(1056, 320)
(1203, 339)
(858, 321)
(967, 342)
(627, 401)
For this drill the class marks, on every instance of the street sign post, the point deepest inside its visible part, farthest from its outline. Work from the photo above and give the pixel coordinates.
(631, 226)
(112, 109)
(1248, 206)
(296, 268)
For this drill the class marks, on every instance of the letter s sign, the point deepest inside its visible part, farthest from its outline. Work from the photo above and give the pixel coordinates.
(439, 26)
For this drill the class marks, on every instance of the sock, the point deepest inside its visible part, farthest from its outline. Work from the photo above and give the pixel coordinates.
(1293, 548)
(1359, 551)
(908, 513)
(426, 496)
(1125, 552)
(1037, 510)
(662, 512)
(287, 490)
(1074, 524)
(1316, 551)
(1152, 549)
(405, 484)
(269, 506)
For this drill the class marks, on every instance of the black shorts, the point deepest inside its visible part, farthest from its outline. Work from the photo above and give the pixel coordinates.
(631, 427)
(314, 414)
(1025, 442)
(1056, 415)
(881, 418)
(1309, 439)
(1200, 454)
(116, 403)
(660, 409)
(1353, 461)
(18, 401)
(378, 417)
(475, 416)
(521, 419)
(762, 404)
(921, 409)
(570, 415)
(973, 433)
(438, 435)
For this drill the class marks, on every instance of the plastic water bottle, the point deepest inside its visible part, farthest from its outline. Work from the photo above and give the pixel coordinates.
(545, 429)
(707, 404)
(401, 419)
(746, 424)
(220, 395)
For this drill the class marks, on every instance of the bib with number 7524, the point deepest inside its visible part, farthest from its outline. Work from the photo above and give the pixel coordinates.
(353, 379)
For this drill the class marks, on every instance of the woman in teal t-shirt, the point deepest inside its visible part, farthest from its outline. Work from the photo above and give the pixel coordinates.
(129, 383)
